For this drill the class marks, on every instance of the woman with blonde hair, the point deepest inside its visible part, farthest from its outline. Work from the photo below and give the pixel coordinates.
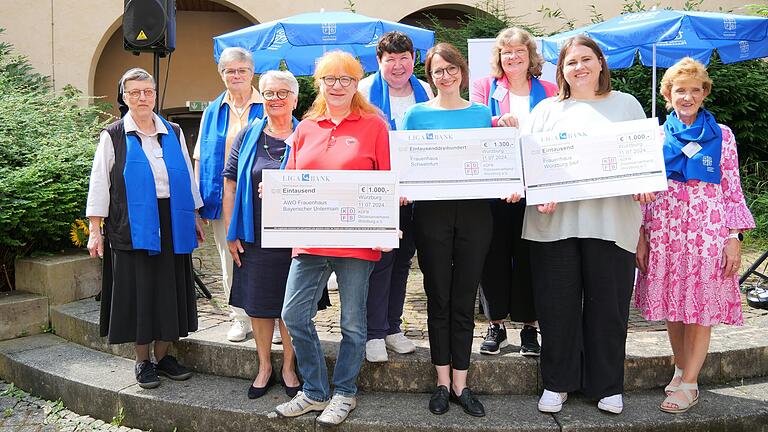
(511, 92)
(689, 249)
(341, 131)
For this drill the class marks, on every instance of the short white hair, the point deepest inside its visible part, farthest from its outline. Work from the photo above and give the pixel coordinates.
(135, 74)
(283, 76)
(233, 54)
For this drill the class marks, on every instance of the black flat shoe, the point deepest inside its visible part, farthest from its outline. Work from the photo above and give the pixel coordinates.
(257, 392)
(438, 403)
(291, 391)
(468, 402)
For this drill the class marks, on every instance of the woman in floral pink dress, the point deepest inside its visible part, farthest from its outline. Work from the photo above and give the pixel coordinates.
(689, 250)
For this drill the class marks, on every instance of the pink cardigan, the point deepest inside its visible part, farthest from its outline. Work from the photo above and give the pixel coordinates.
(481, 90)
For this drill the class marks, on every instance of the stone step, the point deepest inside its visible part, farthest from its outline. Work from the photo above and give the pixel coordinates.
(66, 277)
(102, 385)
(22, 314)
(735, 353)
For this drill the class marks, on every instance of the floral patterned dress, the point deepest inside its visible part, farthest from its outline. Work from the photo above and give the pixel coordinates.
(687, 229)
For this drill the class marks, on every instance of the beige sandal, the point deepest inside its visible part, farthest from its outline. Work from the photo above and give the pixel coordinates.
(670, 388)
(691, 393)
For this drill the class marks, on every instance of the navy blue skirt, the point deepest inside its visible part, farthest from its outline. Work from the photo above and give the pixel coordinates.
(258, 285)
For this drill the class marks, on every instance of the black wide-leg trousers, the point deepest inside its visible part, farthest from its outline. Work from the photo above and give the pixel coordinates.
(582, 290)
(452, 239)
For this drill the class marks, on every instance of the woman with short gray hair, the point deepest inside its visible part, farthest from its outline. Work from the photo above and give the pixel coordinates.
(233, 109)
(143, 189)
(260, 274)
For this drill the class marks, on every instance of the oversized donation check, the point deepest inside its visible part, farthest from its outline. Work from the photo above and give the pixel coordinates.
(616, 159)
(457, 163)
(344, 209)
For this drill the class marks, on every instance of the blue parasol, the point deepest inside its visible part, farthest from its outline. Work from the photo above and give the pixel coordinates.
(300, 40)
(662, 37)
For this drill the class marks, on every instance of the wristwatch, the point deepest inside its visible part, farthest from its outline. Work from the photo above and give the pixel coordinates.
(737, 235)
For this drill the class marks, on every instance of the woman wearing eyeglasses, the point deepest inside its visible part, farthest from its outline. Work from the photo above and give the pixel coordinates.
(143, 189)
(238, 105)
(259, 274)
(341, 131)
(452, 237)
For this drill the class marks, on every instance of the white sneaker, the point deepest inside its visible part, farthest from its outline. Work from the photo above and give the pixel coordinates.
(333, 283)
(399, 343)
(612, 404)
(552, 402)
(277, 338)
(300, 404)
(238, 331)
(337, 410)
(376, 351)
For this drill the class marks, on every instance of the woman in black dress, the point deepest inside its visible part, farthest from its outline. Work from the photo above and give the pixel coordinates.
(259, 276)
(142, 188)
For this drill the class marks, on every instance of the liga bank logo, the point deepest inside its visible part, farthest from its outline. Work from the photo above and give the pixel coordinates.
(430, 136)
(305, 177)
(559, 136)
(329, 31)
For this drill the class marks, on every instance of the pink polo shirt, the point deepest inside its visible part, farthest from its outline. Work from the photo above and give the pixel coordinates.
(359, 142)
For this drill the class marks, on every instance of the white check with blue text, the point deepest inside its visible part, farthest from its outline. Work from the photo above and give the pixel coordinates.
(618, 159)
(329, 209)
(457, 163)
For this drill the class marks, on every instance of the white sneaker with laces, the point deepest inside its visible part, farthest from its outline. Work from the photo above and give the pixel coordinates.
(376, 351)
(277, 338)
(238, 331)
(552, 402)
(337, 410)
(399, 343)
(612, 404)
(300, 404)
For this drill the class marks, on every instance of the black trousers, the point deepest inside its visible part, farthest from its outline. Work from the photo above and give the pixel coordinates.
(582, 289)
(452, 238)
(506, 284)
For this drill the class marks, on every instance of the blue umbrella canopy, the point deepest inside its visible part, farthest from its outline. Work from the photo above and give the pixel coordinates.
(662, 37)
(300, 40)
(674, 35)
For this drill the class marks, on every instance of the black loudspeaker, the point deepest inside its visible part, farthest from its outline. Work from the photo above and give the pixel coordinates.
(149, 26)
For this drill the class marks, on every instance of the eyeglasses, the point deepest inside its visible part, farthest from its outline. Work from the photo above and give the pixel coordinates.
(452, 71)
(233, 72)
(517, 52)
(345, 81)
(272, 95)
(134, 94)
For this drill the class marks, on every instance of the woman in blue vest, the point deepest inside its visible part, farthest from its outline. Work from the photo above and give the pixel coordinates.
(511, 92)
(233, 110)
(143, 189)
(259, 275)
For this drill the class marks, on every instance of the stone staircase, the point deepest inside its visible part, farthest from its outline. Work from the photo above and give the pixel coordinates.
(94, 378)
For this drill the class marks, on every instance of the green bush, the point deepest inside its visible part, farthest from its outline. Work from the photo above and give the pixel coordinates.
(47, 142)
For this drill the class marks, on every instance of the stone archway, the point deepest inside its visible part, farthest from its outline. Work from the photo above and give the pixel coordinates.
(448, 14)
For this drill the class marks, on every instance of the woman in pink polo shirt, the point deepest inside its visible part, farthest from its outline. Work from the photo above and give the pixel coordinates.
(341, 131)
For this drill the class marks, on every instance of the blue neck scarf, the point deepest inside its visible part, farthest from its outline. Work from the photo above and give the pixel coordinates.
(536, 95)
(241, 226)
(704, 165)
(141, 195)
(212, 146)
(380, 95)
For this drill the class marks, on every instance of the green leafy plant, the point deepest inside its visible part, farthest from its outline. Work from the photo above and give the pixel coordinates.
(7, 412)
(47, 140)
(13, 392)
(118, 419)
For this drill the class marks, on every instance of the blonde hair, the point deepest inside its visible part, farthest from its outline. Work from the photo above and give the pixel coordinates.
(327, 64)
(516, 35)
(686, 68)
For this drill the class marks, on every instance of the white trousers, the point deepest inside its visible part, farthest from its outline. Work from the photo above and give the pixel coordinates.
(220, 238)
